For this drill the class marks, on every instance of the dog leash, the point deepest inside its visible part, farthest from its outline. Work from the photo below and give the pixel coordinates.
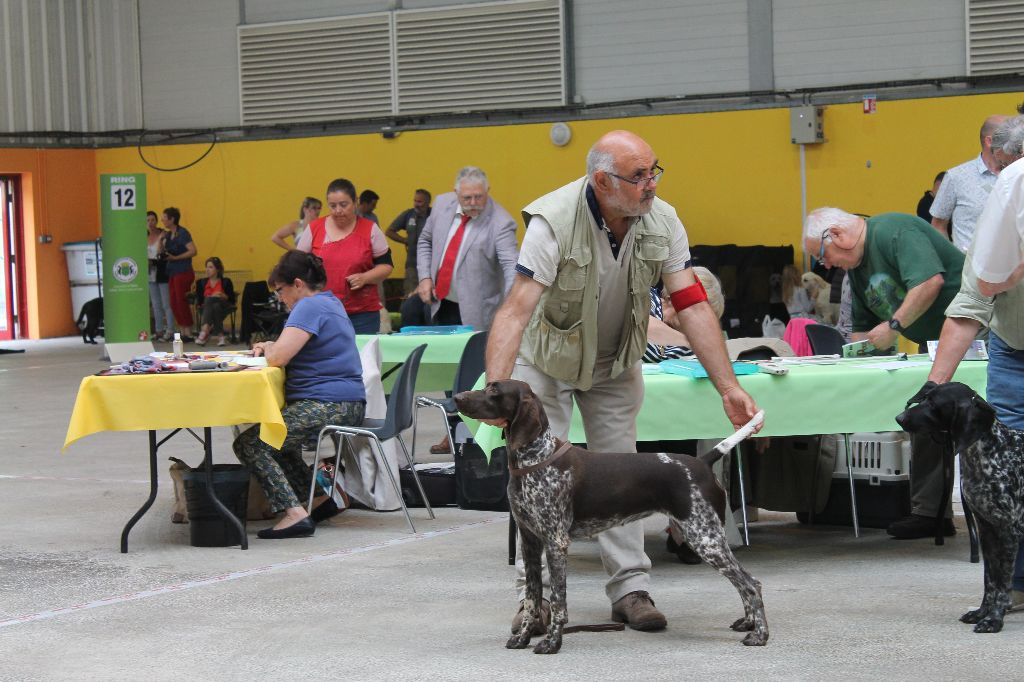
(562, 449)
(599, 627)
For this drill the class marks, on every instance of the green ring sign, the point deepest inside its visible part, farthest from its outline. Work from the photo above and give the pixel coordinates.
(125, 264)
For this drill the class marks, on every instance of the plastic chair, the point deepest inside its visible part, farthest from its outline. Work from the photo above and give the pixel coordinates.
(471, 366)
(399, 417)
(825, 340)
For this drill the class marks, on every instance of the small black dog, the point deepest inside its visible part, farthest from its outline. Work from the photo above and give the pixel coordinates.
(992, 479)
(90, 320)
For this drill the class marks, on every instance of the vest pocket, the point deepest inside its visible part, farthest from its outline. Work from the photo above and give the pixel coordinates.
(572, 276)
(559, 352)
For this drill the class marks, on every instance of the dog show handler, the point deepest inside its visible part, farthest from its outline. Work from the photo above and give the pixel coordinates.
(999, 263)
(574, 327)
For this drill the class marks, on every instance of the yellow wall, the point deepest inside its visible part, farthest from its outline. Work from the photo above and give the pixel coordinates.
(733, 176)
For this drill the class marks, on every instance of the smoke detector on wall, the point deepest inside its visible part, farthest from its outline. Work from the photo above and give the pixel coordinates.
(560, 134)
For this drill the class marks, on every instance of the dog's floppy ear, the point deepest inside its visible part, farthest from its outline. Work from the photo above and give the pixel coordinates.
(974, 419)
(529, 420)
(922, 393)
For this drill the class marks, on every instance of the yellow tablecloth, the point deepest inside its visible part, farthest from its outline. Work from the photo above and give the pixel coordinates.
(169, 401)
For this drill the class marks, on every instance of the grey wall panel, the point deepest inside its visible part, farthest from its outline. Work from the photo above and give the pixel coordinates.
(69, 65)
(266, 11)
(837, 42)
(659, 48)
(189, 63)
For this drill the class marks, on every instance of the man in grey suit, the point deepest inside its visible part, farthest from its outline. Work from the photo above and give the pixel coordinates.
(466, 254)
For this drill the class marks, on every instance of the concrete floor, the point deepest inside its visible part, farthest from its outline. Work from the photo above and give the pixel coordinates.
(365, 600)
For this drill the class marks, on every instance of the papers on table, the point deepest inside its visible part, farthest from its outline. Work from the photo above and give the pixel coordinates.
(976, 351)
(246, 362)
(893, 364)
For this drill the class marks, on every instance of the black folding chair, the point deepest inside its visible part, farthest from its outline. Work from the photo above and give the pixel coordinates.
(471, 367)
(825, 340)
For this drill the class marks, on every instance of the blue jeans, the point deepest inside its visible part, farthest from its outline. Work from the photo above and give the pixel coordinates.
(366, 323)
(160, 300)
(1006, 395)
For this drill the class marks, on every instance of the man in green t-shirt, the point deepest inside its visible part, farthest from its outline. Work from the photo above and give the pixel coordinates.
(902, 275)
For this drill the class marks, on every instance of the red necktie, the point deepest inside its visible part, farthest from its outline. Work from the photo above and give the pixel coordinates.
(444, 273)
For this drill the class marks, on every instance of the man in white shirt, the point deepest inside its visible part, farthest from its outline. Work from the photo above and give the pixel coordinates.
(965, 188)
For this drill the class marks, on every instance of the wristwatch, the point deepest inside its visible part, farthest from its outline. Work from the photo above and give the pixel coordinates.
(895, 325)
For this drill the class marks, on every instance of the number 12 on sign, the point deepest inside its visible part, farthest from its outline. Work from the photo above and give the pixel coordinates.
(122, 197)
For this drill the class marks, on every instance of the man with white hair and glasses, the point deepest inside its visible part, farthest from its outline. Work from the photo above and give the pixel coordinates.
(574, 327)
(466, 254)
(902, 274)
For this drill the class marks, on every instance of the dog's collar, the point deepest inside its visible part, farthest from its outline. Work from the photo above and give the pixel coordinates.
(559, 451)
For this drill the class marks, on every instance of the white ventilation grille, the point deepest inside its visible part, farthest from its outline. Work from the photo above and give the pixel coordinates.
(995, 36)
(505, 55)
(475, 57)
(318, 70)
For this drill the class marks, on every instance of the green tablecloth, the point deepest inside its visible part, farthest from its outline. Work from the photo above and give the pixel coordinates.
(441, 359)
(847, 397)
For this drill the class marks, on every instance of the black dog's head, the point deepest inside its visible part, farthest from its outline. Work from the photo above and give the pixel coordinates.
(953, 408)
(512, 401)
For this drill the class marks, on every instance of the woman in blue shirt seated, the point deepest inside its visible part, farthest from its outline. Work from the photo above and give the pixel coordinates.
(323, 385)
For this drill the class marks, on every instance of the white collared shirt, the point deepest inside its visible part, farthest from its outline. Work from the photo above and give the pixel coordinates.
(999, 240)
(962, 196)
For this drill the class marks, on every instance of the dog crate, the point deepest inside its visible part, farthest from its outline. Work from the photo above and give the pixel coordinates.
(875, 457)
(881, 477)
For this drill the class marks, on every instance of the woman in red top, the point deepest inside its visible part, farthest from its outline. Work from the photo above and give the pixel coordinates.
(355, 255)
(216, 296)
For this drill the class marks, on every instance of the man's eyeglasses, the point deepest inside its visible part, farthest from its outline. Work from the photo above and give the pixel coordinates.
(643, 180)
(826, 237)
(277, 290)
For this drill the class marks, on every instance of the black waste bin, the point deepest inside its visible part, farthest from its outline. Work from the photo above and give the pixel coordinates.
(207, 527)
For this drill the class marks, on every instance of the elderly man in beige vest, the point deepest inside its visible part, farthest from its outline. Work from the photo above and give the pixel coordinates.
(574, 327)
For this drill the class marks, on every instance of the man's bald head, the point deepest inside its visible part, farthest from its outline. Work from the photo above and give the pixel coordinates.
(623, 172)
(613, 148)
(990, 125)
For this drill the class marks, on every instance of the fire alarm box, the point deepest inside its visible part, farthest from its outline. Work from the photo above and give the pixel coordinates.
(806, 125)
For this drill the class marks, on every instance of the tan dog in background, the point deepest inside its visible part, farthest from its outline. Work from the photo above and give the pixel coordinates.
(819, 291)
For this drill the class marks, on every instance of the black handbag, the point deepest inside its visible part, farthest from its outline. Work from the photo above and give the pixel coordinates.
(480, 484)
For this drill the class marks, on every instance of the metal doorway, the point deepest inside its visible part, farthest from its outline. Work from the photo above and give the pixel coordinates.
(12, 271)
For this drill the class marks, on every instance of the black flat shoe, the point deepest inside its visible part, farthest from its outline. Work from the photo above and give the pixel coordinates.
(326, 510)
(301, 529)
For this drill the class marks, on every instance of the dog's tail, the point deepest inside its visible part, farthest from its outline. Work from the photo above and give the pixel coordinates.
(81, 318)
(729, 443)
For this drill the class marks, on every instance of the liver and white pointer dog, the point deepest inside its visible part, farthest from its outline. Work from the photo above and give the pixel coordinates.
(558, 492)
(992, 480)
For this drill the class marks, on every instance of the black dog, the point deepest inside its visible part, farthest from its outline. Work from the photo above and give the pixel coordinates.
(992, 479)
(558, 492)
(90, 320)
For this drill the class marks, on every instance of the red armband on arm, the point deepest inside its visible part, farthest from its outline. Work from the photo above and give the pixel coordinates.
(684, 298)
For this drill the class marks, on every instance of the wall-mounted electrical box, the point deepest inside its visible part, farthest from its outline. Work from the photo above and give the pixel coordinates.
(806, 125)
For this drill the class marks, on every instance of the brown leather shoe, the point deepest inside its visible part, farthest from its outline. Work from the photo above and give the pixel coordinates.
(442, 448)
(637, 610)
(539, 627)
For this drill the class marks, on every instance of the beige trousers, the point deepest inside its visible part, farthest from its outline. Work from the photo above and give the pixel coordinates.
(609, 412)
